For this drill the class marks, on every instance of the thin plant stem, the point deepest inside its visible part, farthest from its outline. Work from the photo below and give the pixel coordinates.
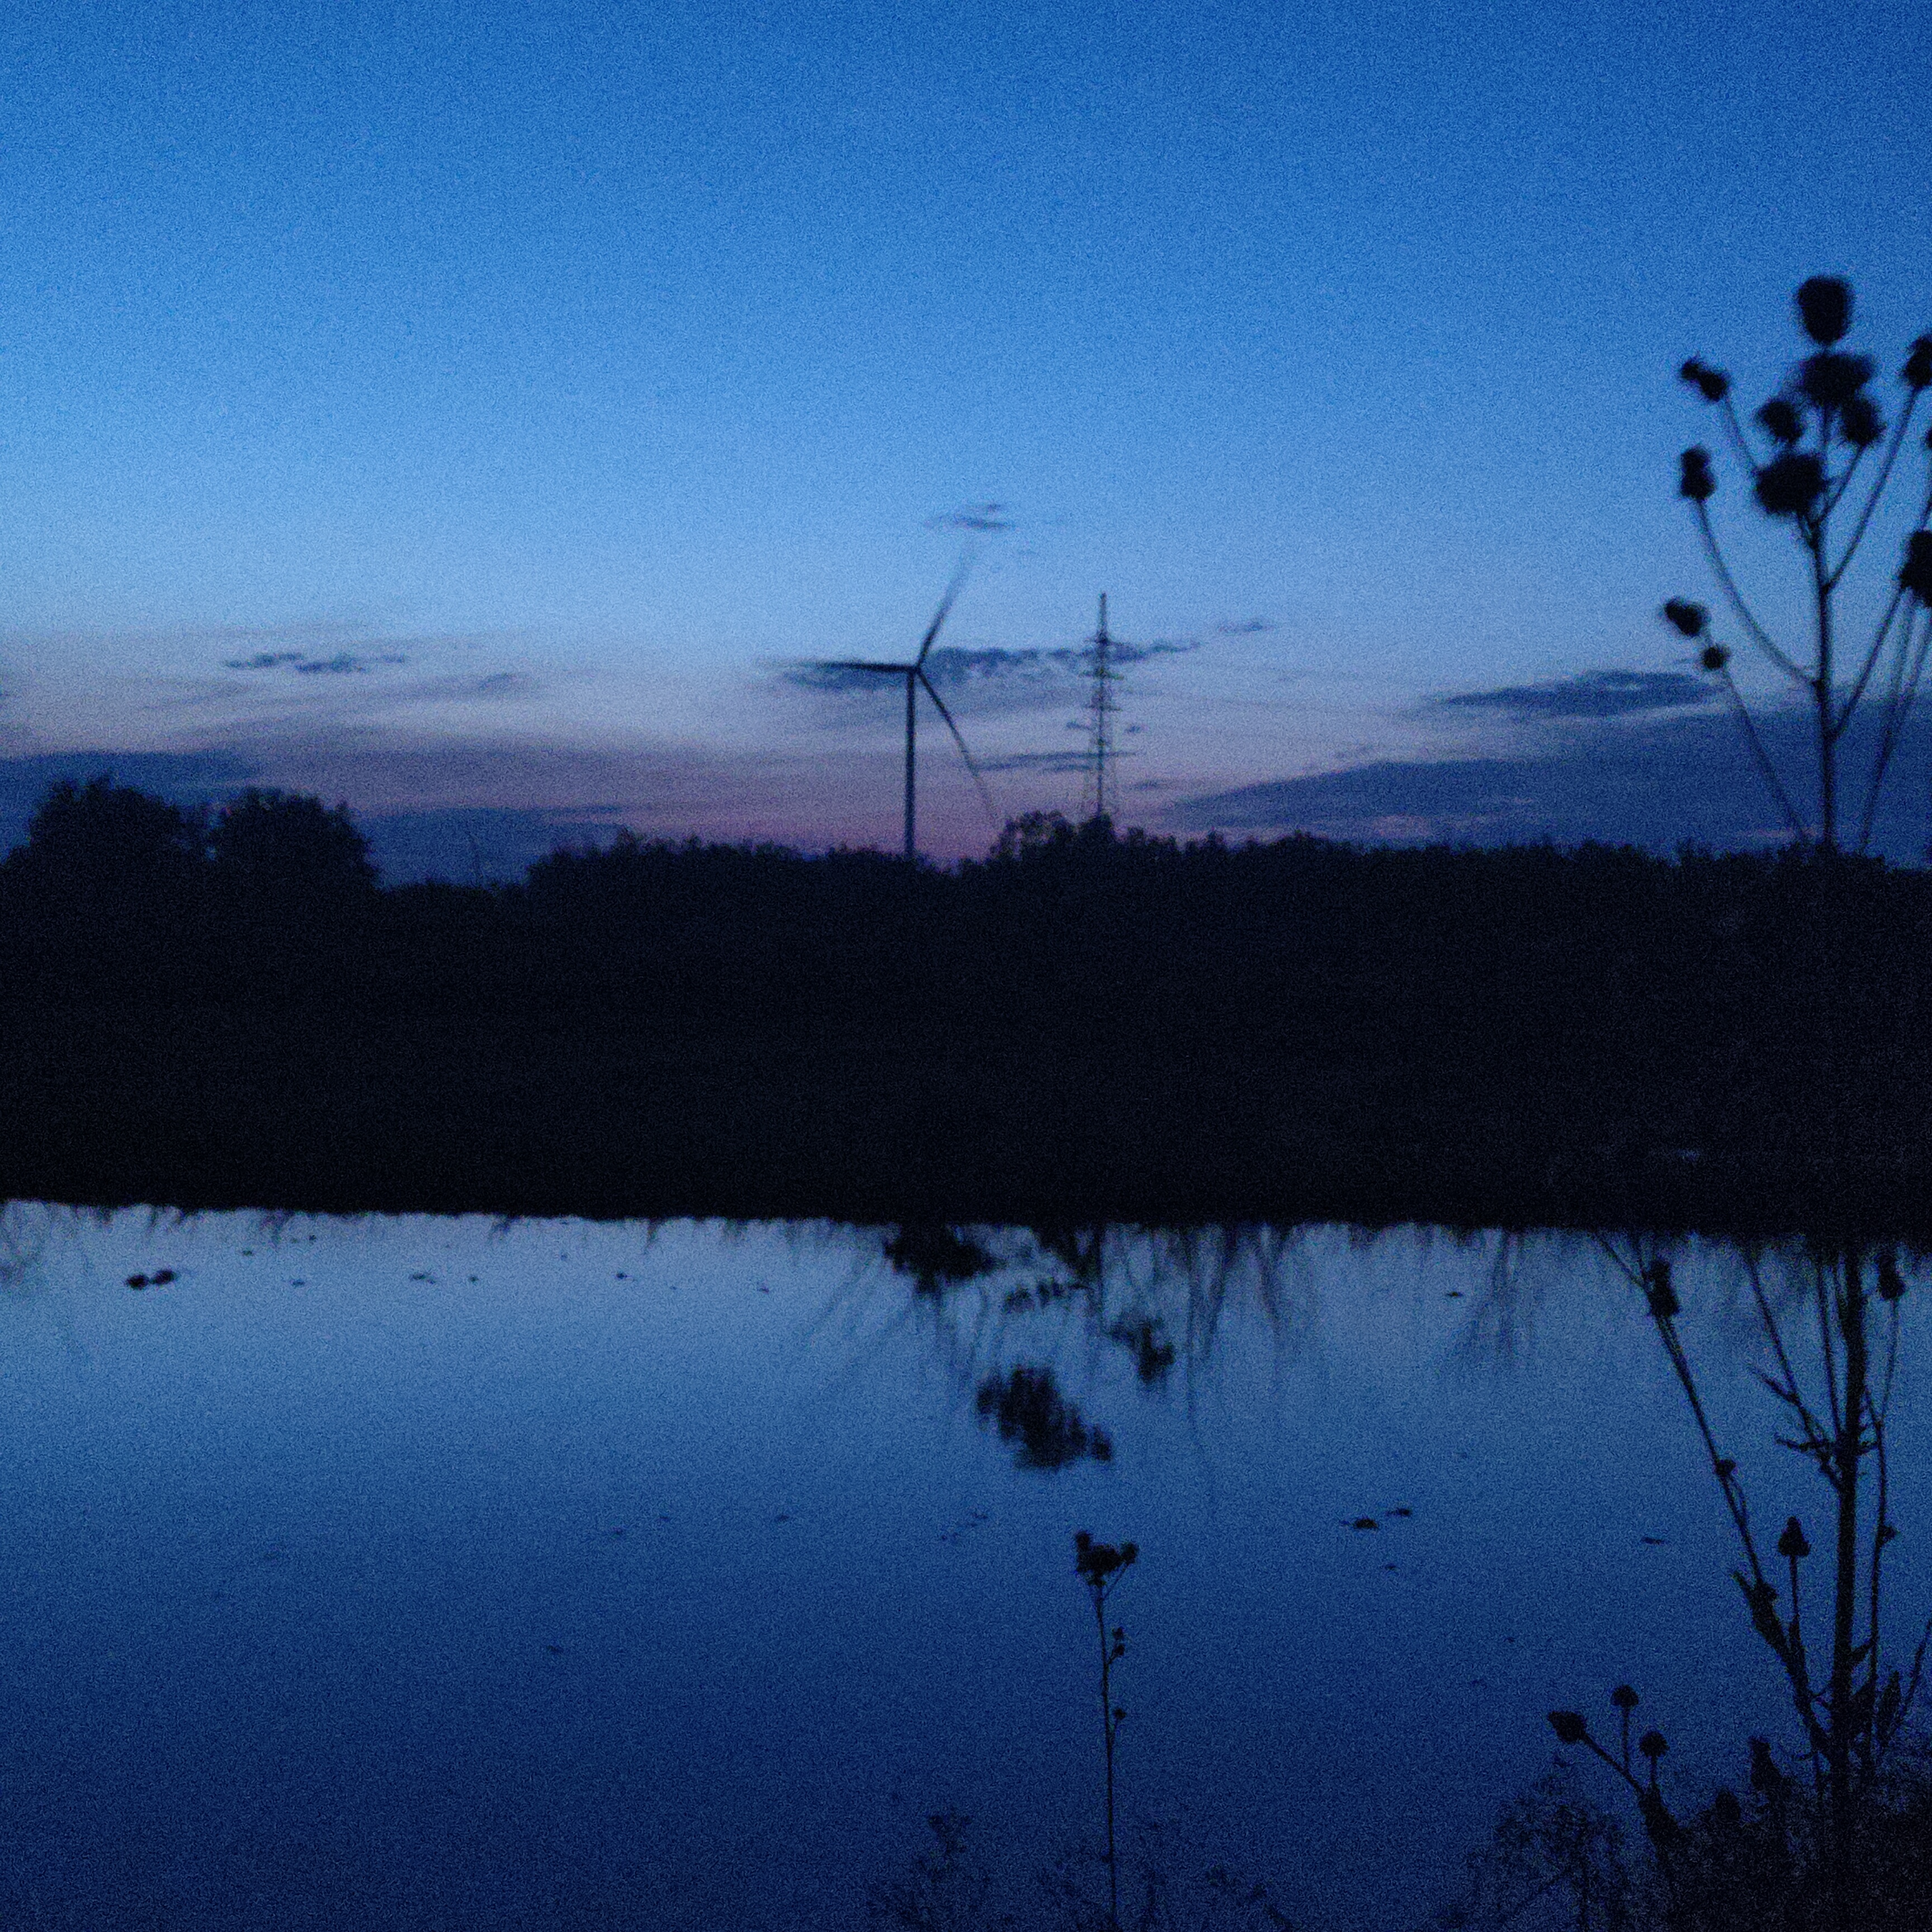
(1821, 686)
(1855, 696)
(1107, 1733)
(1878, 486)
(1768, 770)
(1842, 1708)
(1099, 1567)
(1907, 662)
(1738, 441)
(1759, 636)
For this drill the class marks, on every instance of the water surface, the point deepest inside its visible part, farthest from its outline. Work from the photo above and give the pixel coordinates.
(432, 1573)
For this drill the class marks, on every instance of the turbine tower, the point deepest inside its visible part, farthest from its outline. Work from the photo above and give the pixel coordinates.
(917, 680)
(1097, 791)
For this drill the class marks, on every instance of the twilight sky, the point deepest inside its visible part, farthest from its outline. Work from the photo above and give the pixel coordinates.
(481, 413)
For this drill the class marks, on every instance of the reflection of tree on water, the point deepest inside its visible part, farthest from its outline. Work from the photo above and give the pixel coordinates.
(1152, 1352)
(1005, 1307)
(1823, 1323)
(1124, 1272)
(1027, 1409)
(25, 1230)
(937, 1259)
(1500, 1324)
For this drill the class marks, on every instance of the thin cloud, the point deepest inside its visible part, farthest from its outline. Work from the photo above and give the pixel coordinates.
(955, 667)
(950, 668)
(1656, 783)
(973, 516)
(322, 649)
(1592, 694)
(324, 644)
(1082, 660)
(341, 664)
(1253, 627)
(329, 677)
(347, 664)
(1038, 761)
(839, 680)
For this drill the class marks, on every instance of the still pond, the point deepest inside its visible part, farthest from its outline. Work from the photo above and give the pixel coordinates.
(419, 1573)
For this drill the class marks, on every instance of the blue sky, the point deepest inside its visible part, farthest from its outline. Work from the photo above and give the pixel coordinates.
(485, 409)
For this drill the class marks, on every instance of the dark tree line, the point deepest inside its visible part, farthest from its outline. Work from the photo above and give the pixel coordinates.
(1405, 1016)
(116, 890)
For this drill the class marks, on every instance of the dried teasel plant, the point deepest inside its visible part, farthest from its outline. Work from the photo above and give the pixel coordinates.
(1852, 1700)
(1819, 453)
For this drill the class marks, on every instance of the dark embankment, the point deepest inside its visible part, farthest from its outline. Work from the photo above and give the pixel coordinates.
(1083, 1027)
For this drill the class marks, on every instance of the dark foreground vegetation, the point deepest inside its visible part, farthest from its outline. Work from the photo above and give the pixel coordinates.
(1083, 1027)
(1826, 1826)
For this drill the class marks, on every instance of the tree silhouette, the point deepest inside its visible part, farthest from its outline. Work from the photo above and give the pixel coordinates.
(1816, 437)
(102, 848)
(285, 846)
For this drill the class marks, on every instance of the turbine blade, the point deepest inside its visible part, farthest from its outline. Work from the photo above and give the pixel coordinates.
(986, 794)
(952, 590)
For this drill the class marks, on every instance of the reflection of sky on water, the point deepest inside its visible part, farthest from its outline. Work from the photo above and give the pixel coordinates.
(671, 1580)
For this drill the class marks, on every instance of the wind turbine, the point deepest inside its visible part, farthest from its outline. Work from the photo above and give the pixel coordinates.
(917, 680)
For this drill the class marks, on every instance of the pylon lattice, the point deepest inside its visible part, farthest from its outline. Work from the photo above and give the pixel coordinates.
(1098, 790)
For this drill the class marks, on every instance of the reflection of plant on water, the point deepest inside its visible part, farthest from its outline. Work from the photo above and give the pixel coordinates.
(995, 1302)
(1836, 1836)
(24, 1235)
(1004, 1309)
